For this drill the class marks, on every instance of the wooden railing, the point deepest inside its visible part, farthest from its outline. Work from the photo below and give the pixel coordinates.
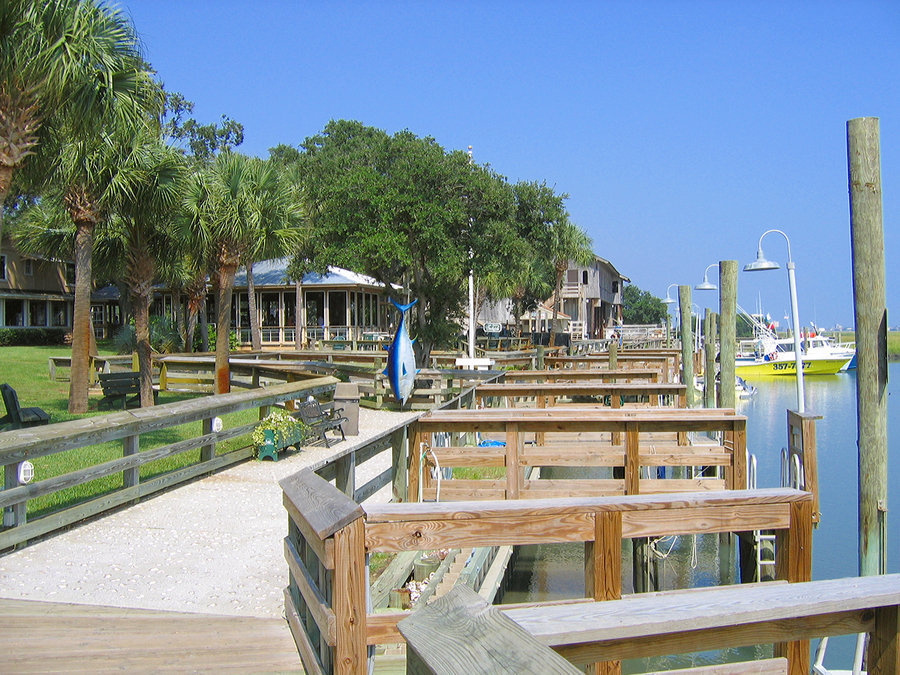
(461, 634)
(36, 442)
(549, 394)
(568, 437)
(330, 537)
(592, 375)
(664, 364)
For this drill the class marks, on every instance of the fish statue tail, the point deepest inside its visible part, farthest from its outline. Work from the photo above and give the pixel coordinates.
(403, 308)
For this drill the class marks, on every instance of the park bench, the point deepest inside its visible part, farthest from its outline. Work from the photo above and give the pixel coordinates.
(319, 420)
(17, 417)
(122, 390)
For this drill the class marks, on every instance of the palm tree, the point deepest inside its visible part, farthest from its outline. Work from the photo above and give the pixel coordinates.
(141, 234)
(569, 243)
(276, 214)
(220, 213)
(59, 60)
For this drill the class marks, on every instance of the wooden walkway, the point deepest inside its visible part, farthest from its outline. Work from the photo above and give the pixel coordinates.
(43, 637)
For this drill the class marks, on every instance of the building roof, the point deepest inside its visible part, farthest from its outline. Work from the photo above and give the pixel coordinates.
(612, 267)
(274, 273)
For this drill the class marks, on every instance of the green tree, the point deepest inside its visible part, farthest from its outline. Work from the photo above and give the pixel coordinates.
(641, 307)
(276, 219)
(403, 210)
(201, 141)
(60, 60)
(568, 244)
(220, 211)
(140, 235)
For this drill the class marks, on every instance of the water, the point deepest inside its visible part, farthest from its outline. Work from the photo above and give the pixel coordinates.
(554, 572)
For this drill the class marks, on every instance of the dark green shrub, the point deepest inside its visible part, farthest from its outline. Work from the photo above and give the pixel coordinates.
(32, 336)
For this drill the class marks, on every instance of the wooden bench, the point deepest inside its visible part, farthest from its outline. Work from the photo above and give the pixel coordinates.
(17, 417)
(122, 390)
(320, 420)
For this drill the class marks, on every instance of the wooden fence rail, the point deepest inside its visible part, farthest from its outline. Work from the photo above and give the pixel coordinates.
(663, 364)
(37, 442)
(568, 437)
(330, 538)
(548, 394)
(584, 375)
(661, 624)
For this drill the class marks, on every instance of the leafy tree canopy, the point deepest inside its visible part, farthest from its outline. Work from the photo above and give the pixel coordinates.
(403, 210)
(202, 141)
(642, 307)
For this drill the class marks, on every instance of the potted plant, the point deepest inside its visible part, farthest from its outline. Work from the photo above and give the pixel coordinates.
(276, 431)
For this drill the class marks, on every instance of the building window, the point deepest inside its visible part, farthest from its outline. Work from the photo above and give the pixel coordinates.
(37, 313)
(584, 277)
(70, 273)
(2, 268)
(60, 313)
(15, 312)
(29, 267)
(615, 287)
(269, 308)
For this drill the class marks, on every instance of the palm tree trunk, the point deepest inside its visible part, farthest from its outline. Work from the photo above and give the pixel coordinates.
(556, 301)
(204, 326)
(223, 326)
(190, 328)
(81, 320)
(298, 305)
(180, 323)
(6, 174)
(255, 337)
(141, 304)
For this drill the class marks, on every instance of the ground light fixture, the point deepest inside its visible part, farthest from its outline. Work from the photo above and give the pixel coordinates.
(760, 264)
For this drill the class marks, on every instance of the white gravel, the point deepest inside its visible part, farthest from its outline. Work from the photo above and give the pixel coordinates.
(210, 546)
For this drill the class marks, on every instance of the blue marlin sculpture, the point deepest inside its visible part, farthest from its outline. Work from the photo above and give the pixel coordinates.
(401, 366)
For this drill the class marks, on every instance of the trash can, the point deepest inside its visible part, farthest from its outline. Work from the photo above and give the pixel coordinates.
(346, 396)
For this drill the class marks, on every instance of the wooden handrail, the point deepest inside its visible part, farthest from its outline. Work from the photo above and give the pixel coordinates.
(713, 618)
(323, 508)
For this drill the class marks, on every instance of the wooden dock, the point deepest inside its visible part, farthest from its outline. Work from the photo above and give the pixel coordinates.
(41, 637)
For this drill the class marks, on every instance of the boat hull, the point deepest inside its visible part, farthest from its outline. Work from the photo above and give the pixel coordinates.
(745, 367)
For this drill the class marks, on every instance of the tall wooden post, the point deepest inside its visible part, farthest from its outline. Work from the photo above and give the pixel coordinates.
(727, 331)
(709, 363)
(867, 239)
(614, 354)
(687, 343)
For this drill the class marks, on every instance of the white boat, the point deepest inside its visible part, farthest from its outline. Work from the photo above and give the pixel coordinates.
(768, 354)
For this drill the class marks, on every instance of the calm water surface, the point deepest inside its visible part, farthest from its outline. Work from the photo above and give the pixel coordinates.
(556, 572)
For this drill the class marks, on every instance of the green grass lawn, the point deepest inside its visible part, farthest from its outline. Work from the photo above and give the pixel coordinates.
(26, 370)
(893, 341)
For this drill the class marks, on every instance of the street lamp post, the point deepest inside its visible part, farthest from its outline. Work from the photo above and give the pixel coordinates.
(669, 300)
(762, 264)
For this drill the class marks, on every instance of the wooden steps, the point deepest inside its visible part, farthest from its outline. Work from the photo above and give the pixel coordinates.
(41, 637)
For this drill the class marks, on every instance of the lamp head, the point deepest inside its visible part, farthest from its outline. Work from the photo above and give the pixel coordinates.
(707, 285)
(761, 263)
(669, 300)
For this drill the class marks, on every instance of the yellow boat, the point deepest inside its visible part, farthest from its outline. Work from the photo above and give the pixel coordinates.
(782, 366)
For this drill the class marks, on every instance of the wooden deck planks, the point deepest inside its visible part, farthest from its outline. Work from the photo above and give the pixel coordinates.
(40, 637)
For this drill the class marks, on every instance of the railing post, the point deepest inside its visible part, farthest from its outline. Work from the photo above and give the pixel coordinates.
(802, 442)
(793, 563)
(130, 446)
(349, 601)
(14, 515)
(399, 455)
(514, 477)
(345, 474)
(414, 462)
(603, 570)
(207, 452)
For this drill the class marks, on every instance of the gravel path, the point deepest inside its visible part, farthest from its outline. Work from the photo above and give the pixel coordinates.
(211, 546)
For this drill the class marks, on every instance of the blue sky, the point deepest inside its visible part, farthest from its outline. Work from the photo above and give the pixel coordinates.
(681, 130)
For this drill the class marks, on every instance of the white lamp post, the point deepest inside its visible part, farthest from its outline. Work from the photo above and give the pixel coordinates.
(762, 264)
